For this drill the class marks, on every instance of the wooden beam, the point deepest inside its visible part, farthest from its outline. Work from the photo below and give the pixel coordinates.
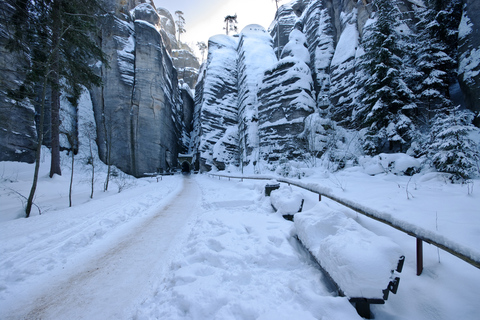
(419, 256)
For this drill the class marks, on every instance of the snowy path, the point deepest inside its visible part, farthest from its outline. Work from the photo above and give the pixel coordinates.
(241, 261)
(116, 278)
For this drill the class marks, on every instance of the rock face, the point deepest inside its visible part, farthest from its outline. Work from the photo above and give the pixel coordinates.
(317, 74)
(18, 137)
(139, 110)
(259, 112)
(216, 106)
(286, 98)
(285, 20)
(184, 60)
(143, 119)
(187, 65)
(319, 31)
(255, 55)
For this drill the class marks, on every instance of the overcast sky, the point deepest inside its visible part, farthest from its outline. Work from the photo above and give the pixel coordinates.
(204, 18)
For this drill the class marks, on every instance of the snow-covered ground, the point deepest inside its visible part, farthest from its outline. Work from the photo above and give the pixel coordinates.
(228, 254)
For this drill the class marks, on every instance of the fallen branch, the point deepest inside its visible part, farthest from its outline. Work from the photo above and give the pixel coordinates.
(26, 199)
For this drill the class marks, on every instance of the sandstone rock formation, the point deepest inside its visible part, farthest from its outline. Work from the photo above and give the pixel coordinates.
(255, 55)
(18, 137)
(286, 98)
(216, 106)
(138, 109)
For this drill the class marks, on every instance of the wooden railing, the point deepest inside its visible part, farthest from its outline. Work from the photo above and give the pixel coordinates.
(421, 235)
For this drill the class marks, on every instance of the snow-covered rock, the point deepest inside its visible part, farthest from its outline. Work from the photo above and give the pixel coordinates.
(286, 98)
(146, 12)
(319, 30)
(285, 19)
(342, 69)
(216, 105)
(255, 55)
(138, 110)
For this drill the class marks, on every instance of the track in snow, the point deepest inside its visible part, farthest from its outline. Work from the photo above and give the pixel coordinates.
(111, 283)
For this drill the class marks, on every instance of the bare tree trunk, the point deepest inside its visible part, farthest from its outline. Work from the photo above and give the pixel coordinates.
(71, 180)
(55, 134)
(55, 107)
(278, 32)
(93, 168)
(109, 153)
(39, 149)
(71, 137)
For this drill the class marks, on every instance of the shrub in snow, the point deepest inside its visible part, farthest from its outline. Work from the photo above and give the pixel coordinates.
(333, 145)
(452, 149)
(288, 169)
(397, 163)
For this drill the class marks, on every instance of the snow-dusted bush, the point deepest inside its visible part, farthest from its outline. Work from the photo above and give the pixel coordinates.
(452, 149)
(397, 163)
(335, 147)
(288, 169)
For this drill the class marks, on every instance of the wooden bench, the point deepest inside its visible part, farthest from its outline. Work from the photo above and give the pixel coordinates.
(361, 265)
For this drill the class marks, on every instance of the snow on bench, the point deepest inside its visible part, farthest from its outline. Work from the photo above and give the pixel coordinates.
(360, 263)
(286, 201)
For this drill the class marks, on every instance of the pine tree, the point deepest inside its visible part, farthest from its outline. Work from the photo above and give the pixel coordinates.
(434, 64)
(57, 36)
(202, 47)
(385, 103)
(231, 23)
(180, 22)
(451, 149)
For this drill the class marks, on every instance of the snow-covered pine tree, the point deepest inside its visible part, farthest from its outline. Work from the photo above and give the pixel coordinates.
(452, 150)
(385, 103)
(58, 37)
(447, 17)
(433, 62)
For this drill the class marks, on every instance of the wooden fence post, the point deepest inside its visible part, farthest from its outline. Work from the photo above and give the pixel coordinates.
(419, 256)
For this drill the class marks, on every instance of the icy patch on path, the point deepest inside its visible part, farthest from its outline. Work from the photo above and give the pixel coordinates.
(241, 262)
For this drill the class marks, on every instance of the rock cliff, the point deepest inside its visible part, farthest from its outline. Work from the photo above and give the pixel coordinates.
(216, 106)
(255, 55)
(143, 118)
(286, 98)
(271, 122)
(139, 110)
(18, 136)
